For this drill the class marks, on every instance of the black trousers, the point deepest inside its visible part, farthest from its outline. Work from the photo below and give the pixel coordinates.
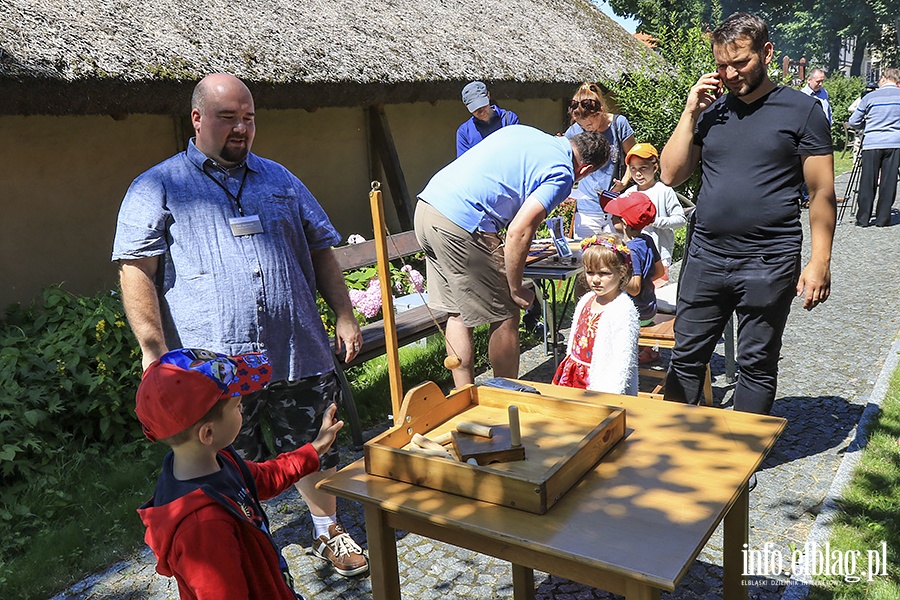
(884, 162)
(759, 289)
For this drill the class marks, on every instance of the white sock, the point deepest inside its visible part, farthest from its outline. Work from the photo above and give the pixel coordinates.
(321, 524)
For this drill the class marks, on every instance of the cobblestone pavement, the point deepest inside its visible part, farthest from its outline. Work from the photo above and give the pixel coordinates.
(830, 361)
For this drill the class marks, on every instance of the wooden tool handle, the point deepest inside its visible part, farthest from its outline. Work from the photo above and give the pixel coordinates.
(444, 438)
(430, 452)
(515, 432)
(423, 442)
(474, 429)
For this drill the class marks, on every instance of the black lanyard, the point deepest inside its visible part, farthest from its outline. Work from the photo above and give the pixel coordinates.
(224, 186)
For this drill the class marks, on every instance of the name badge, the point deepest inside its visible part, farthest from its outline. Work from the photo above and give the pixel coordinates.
(248, 225)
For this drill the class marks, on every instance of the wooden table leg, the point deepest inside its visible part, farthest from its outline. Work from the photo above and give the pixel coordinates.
(707, 386)
(523, 582)
(384, 571)
(736, 534)
(638, 590)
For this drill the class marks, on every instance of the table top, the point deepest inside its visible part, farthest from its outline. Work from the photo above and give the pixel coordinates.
(646, 510)
(554, 268)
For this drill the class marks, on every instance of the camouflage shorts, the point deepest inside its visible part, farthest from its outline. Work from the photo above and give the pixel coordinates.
(289, 415)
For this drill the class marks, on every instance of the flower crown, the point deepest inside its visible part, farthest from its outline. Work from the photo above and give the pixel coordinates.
(617, 248)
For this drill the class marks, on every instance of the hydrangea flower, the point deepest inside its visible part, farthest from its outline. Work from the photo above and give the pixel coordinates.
(415, 278)
(368, 301)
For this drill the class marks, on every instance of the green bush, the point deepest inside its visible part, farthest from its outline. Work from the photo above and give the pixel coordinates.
(654, 103)
(842, 91)
(68, 373)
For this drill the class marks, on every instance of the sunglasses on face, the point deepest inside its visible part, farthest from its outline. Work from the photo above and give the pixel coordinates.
(588, 104)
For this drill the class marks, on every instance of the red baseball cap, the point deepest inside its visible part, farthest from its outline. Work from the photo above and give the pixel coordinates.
(636, 209)
(182, 385)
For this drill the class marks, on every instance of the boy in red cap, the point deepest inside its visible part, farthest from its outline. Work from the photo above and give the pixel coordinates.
(631, 213)
(205, 522)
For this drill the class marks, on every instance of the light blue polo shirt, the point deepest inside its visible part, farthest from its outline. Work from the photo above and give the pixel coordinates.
(484, 188)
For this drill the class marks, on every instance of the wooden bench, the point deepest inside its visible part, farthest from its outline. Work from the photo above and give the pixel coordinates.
(412, 325)
(661, 334)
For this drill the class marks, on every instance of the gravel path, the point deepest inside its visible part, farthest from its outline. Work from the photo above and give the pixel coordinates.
(830, 362)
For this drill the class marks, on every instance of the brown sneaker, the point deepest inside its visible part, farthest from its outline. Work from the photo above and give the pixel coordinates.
(345, 555)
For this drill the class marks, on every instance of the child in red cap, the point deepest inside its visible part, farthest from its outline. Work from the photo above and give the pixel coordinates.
(205, 522)
(631, 213)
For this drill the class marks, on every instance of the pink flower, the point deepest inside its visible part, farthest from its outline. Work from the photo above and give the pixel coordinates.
(415, 278)
(367, 302)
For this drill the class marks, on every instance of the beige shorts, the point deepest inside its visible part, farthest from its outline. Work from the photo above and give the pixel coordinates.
(465, 271)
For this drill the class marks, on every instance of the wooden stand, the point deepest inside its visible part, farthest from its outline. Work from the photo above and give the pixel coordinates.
(562, 439)
(387, 298)
(486, 451)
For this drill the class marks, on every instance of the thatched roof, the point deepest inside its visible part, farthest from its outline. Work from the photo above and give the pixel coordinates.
(119, 56)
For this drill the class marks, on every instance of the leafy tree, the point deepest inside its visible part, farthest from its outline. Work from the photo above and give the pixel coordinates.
(654, 102)
(813, 29)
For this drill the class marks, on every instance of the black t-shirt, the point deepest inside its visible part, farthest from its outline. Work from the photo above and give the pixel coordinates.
(750, 154)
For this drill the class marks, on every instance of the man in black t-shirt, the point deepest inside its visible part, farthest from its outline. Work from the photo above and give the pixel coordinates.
(757, 144)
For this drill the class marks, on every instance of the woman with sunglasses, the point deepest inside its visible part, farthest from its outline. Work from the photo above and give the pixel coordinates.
(587, 113)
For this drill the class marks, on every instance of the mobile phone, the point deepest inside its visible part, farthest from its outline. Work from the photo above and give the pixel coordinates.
(720, 89)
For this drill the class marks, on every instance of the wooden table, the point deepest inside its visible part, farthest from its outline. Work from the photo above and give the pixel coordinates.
(661, 334)
(546, 273)
(632, 526)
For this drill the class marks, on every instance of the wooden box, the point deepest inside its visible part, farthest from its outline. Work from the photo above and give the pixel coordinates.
(563, 439)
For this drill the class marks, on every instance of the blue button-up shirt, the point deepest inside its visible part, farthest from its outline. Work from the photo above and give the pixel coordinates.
(227, 293)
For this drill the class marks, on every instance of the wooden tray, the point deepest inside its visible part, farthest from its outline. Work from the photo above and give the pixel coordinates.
(563, 439)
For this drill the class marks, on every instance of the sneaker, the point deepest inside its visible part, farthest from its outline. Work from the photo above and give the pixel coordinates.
(751, 484)
(345, 555)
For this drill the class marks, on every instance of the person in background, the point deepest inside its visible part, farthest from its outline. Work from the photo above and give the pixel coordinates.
(643, 165)
(602, 351)
(815, 89)
(510, 181)
(486, 117)
(631, 213)
(588, 113)
(878, 115)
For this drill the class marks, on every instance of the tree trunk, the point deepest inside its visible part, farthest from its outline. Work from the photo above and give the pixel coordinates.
(858, 52)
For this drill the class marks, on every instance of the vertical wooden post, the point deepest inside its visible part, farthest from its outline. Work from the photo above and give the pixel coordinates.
(387, 298)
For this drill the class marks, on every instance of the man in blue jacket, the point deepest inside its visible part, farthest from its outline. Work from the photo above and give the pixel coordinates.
(486, 117)
(878, 114)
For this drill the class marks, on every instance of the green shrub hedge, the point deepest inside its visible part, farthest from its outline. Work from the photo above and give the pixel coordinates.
(69, 369)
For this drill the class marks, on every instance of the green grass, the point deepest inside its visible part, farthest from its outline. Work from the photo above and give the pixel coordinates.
(842, 165)
(871, 510)
(88, 523)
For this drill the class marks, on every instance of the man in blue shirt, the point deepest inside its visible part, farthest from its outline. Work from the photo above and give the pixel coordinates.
(878, 113)
(486, 117)
(224, 250)
(510, 181)
(814, 87)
